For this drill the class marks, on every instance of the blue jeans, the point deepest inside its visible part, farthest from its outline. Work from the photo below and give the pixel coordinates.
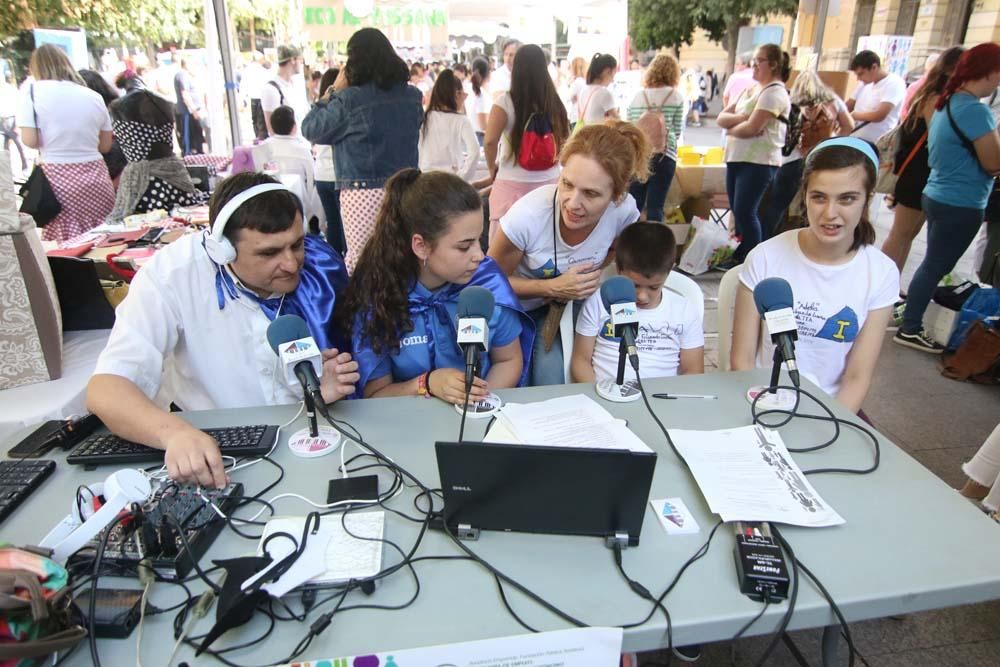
(547, 367)
(653, 193)
(746, 183)
(330, 198)
(950, 231)
(783, 188)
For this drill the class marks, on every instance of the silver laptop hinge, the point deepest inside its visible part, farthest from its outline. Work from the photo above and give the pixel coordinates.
(620, 538)
(466, 532)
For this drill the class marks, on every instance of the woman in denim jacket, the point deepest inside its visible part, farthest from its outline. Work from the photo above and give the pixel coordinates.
(372, 118)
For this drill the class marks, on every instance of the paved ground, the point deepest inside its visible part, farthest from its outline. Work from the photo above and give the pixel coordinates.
(907, 382)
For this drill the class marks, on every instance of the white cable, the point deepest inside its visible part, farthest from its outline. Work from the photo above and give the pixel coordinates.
(280, 496)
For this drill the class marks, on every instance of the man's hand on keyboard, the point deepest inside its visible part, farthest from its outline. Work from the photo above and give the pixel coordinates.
(193, 457)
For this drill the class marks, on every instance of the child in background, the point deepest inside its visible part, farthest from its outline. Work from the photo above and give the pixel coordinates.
(671, 340)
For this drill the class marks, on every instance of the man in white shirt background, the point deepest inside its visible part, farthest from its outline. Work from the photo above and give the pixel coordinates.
(876, 103)
(255, 75)
(195, 325)
(286, 88)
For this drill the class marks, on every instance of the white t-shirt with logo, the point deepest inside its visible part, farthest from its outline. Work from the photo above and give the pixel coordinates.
(664, 331)
(831, 302)
(869, 96)
(529, 226)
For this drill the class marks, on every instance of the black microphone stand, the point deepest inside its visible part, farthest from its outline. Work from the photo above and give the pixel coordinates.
(307, 398)
(772, 388)
(468, 390)
(622, 354)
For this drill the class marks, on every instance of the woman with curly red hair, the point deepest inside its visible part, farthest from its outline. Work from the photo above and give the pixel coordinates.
(964, 155)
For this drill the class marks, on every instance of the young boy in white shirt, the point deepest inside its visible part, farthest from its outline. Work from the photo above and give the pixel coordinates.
(671, 339)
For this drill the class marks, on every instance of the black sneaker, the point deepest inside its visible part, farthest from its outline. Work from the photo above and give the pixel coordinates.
(918, 341)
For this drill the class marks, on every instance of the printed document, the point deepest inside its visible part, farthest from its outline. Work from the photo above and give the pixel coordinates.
(747, 474)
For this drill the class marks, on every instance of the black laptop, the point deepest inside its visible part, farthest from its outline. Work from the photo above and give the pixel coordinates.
(527, 488)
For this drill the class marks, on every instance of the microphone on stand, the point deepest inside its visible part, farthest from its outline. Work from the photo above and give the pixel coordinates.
(618, 297)
(301, 360)
(475, 308)
(773, 297)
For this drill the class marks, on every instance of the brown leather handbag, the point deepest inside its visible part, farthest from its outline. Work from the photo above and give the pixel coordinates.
(977, 358)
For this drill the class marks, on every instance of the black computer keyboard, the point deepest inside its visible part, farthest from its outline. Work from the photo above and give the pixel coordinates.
(106, 448)
(18, 479)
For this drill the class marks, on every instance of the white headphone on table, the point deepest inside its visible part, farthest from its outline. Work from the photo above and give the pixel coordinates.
(120, 490)
(219, 248)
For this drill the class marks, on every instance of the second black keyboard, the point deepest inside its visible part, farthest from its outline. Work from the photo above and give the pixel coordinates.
(101, 449)
(18, 479)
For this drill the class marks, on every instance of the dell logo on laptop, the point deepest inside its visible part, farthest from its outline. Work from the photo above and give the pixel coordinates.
(467, 489)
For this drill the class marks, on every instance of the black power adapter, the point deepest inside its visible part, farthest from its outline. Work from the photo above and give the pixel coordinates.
(760, 565)
(363, 488)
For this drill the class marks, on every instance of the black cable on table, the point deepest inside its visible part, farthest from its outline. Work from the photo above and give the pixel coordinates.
(828, 417)
(739, 635)
(792, 598)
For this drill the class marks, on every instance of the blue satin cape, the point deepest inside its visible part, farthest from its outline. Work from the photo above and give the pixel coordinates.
(488, 275)
(322, 277)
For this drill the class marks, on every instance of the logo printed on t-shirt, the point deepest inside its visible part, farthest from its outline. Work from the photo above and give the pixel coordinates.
(841, 328)
(651, 338)
(546, 270)
(413, 340)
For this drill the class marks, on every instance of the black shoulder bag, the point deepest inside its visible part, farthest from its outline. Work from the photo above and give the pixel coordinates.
(38, 198)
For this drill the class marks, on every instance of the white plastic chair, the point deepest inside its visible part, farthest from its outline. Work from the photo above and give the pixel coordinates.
(689, 289)
(727, 310)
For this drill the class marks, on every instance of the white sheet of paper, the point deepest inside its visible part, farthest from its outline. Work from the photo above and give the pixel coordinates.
(747, 474)
(342, 557)
(569, 421)
(593, 647)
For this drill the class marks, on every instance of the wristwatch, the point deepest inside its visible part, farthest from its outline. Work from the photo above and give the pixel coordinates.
(424, 386)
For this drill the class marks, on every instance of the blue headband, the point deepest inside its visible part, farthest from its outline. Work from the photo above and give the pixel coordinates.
(849, 142)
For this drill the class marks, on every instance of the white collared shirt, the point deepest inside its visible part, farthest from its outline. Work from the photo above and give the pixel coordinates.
(170, 333)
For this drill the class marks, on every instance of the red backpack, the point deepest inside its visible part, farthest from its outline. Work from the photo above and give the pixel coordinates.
(538, 144)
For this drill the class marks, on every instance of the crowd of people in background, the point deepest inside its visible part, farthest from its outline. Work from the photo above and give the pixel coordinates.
(557, 163)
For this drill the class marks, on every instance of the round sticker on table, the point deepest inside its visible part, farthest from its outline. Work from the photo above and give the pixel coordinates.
(783, 399)
(484, 407)
(309, 446)
(619, 393)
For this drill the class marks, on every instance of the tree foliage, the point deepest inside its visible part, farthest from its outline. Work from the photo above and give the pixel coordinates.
(671, 23)
(136, 22)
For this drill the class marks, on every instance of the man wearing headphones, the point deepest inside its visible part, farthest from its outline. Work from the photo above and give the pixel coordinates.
(193, 328)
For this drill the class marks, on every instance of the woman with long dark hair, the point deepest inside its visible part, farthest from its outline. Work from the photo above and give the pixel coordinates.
(326, 177)
(401, 304)
(964, 154)
(531, 93)
(70, 125)
(372, 119)
(478, 104)
(447, 140)
(908, 215)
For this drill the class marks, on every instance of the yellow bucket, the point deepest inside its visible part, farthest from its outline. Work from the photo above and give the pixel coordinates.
(714, 155)
(689, 158)
(681, 150)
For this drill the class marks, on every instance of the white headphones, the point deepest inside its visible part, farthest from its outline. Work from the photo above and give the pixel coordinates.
(219, 248)
(119, 490)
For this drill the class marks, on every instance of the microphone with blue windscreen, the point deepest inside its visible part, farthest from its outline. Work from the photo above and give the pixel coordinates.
(618, 297)
(775, 303)
(475, 308)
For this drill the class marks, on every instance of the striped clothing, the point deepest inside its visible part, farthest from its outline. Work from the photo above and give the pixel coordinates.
(671, 105)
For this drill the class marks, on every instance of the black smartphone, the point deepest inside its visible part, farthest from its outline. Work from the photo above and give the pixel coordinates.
(149, 238)
(38, 442)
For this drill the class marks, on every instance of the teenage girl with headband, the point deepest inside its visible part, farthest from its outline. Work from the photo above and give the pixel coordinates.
(401, 303)
(843, 286)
